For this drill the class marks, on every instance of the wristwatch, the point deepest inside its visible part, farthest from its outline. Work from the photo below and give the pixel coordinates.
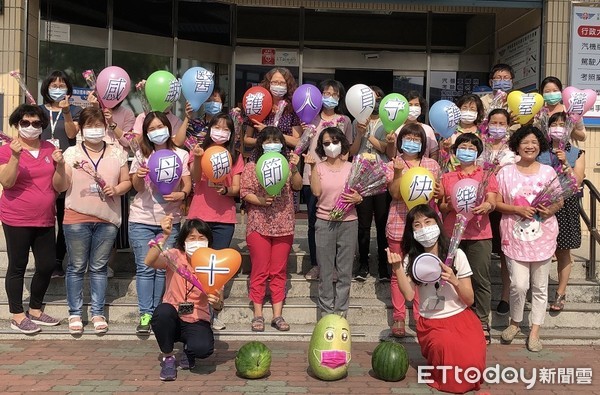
(112, 126)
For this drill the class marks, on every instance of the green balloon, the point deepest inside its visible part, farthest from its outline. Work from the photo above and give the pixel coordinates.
(272, 171)
(393, 111)
(162, 89)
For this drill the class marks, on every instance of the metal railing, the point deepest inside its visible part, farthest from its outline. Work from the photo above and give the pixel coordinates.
(589, 218)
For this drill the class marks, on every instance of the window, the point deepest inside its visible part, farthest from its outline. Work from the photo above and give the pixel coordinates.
(147, 17)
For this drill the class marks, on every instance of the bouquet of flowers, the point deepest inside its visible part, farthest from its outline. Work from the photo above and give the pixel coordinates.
(305, 140)
(279, 112)
(16, 75)
(499, 101)
(238, 125)
(367, 178)
(85, 166)
(561, 187)
(5, 138)
(131, 136)
(90, 79)
(139, 87)
(179, 269)
(457, 232)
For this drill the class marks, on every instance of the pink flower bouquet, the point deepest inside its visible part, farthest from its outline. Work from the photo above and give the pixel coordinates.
(85, 166)
(16, 75)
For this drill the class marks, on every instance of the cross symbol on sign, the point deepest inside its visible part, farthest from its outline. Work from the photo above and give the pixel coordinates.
(212, 270)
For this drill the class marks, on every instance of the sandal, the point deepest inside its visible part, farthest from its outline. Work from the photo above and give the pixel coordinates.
(75, 325)
(100, 325)
(398, 329)
(280, 324)
(559, 302)
(487, 334)
(258, 324)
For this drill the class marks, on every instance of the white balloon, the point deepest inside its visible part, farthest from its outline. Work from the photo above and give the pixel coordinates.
(360, 101)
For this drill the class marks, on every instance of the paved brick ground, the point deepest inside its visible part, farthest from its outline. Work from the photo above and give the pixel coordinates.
(109, 366)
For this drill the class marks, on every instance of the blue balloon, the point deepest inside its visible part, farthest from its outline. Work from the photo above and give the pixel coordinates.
(197, 85)
(444, 117)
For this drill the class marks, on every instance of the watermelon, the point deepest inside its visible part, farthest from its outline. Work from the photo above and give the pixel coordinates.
(329, 349)
(390, 361)
(253, 360)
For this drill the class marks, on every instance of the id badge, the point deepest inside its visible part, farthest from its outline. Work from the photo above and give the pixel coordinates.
(434, 303)
(185, 308)
(55, 142)
(94, 188)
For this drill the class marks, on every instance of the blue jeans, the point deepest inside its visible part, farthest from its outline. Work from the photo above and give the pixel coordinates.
(222, 234)
(149, 282)
(89, 246)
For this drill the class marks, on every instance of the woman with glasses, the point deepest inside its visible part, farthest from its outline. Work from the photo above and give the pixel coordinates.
(32, 173)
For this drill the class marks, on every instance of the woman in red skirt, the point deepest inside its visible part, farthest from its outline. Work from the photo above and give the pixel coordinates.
(448, 331)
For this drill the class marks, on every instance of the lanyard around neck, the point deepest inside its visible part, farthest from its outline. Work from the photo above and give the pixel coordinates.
(97, 163)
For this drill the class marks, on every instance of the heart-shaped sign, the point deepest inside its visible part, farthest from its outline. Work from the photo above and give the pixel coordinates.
(525, 105)
(214, 268)
(577, 102)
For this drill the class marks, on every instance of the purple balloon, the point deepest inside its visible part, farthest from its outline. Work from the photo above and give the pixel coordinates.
(165, 170)
(307, 102)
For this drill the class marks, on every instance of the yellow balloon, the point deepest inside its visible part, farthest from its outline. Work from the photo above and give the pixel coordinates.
(416, 186)
(525, 105)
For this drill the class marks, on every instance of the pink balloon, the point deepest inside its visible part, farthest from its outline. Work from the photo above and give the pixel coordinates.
(464, 196)
(577, 102)
(113, 86)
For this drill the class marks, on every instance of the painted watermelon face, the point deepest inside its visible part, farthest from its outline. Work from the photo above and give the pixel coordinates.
(330, 346)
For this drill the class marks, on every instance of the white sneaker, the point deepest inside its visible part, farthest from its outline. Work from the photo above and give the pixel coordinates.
(110, 273)
(218, 324)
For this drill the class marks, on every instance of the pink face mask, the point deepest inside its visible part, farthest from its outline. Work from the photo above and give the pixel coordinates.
(334, 358)
(557, 132)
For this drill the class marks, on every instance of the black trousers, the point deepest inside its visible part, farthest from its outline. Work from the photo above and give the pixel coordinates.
(19, 239)
(376, 206)
(61, 245)
(169, 328)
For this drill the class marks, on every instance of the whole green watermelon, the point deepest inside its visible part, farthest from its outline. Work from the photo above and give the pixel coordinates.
(390, 361)
(329, 349)
(253, 360)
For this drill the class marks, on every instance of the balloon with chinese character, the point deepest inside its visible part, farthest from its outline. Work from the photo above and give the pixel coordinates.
(162, 89)
(257, 103)
(165, 170)
(444, 117)
(464, 197)
(214, 268)
(272, 171)
(216, 163)
(113, 86)
(360, 101)
(307, 102)
(197, 85)
(416, 186)
(393, 111)
(525, 105)
(577, 102)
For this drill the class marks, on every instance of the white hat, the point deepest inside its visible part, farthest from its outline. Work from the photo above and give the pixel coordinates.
(426, 268)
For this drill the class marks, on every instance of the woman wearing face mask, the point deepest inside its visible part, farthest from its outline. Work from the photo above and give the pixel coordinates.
(281, 83)
(569, 228)
(184, 315)
(196, 129)
(269, 231)
(331, 115)
(61, 131)
(448, 331)
(148, 209)
(471, 115)
(417, 106)
(477, 237)
(32, 172)
(327, 181)
(370, 142)
(527, 242)
(411, 145)
(551, 89)
(92, 216)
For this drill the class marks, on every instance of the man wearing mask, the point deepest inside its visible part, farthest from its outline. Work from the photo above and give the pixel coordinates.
(501, 79)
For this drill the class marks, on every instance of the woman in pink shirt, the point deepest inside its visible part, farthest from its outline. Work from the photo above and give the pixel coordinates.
(477, 238)
(92, 215)
(335, 240)
(528, 240)
(32, 172)
(270, 231)
(148, 209)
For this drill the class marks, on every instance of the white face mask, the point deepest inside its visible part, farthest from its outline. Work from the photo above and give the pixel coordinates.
(219, 136)
(333, 150)
(30, 132)
(93, 135)
(414, 112)
(468, 116)
(192, 246)
(427, 236)
(159, 136)
(278, 90)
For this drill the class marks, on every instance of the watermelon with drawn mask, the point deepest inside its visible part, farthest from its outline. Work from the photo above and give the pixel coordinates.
(329, 349)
